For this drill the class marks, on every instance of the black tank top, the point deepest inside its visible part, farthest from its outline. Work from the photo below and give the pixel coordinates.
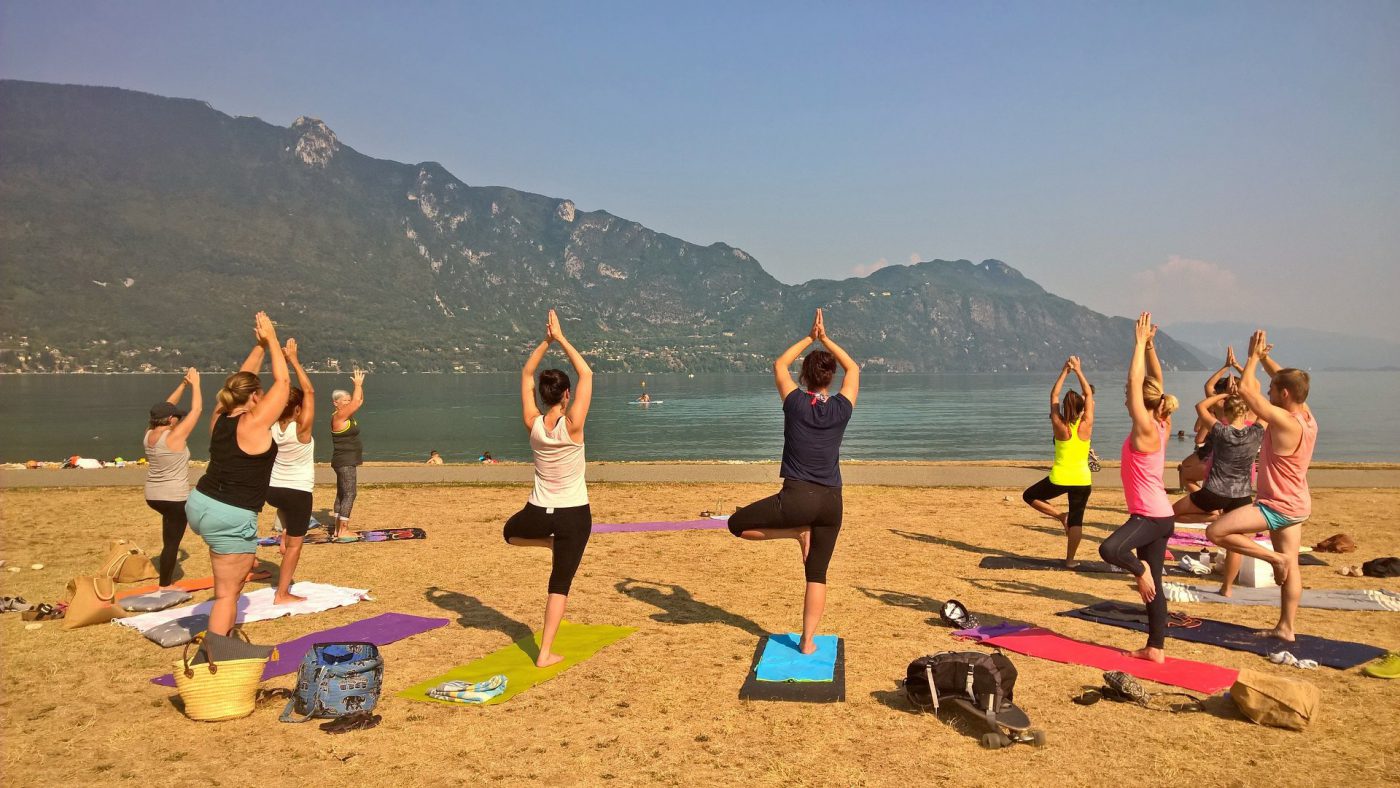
(236, 477)
(346, 447)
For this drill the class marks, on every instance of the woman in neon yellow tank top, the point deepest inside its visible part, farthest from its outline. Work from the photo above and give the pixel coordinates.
(1072, 420)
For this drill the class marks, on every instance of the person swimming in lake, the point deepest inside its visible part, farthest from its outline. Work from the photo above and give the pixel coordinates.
(808, 509)
(557, 515)
(1072, 424)
(434, 458)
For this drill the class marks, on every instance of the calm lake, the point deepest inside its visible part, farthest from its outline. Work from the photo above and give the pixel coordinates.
(736, 417)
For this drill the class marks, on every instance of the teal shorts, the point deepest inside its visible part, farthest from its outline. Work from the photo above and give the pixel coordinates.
(226, 529)
(1276, 521)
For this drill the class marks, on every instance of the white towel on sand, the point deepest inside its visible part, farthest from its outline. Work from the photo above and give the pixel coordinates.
(257, 606)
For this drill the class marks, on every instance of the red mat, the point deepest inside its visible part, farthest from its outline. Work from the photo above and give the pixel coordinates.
(1040, 642)
(190, 584)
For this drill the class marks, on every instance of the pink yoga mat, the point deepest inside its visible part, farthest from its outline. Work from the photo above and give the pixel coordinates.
(684, 525)
(380, 630)
(1040, 642)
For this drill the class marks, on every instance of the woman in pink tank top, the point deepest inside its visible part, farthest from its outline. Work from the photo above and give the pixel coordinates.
(1290, 433)
(1139, 546)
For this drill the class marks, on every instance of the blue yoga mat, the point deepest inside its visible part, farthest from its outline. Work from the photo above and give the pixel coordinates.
(781, 661)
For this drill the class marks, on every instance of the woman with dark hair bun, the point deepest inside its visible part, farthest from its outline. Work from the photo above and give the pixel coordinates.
(1072, 421)
(808, 508)
(557, 516)
(293, 474)
(168, 467)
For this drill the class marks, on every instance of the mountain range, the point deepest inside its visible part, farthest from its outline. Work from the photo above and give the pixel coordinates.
(140, 233)
(1299, 347)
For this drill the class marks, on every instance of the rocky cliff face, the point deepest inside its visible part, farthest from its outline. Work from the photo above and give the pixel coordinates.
(139, 233)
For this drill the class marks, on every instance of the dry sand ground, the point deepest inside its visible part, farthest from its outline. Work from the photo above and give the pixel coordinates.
(660, 707)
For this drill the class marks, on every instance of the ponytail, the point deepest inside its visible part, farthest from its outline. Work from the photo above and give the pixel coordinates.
(1154, 399)
(238, 387)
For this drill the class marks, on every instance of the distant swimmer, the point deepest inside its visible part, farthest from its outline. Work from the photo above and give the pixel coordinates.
(1072, 422)
(1140, 544)
(168, 467)
(808, 508)
(557, 515)
(434, 458)
(347, 451)
(645, 398)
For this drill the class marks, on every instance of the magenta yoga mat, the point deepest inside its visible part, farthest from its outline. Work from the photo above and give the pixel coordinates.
(665, 525)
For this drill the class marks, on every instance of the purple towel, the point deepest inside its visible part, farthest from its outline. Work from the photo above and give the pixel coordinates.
(987, 631)
(687, 525)
(380, 630)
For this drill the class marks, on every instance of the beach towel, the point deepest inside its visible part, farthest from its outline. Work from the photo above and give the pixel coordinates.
(1340, 654)
(781, 661)
(165, 627)
(704, 524)
(1198, 539)
(1058, 565)
(380, 535)
(1321, 598)
(188, 584)
(1045, 644)
(155, 600)
(380, 630)
(516, 662)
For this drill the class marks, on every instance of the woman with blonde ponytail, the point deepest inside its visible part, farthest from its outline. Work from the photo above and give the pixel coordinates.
(1140, 545)
(223, 509)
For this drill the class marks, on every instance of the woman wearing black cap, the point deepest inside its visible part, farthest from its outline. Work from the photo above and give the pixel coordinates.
(168, 467)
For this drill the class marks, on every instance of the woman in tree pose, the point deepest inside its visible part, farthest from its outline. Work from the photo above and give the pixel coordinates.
(223, 509)
(347, 452)
(808, 508)
(293, 474)
(168, 467)
(1072, 421)
(557, 515)
(1150, 522)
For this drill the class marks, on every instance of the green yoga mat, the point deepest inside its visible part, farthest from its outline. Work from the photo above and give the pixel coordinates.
(576, 642)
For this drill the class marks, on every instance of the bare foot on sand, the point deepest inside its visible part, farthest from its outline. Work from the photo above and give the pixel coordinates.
(1146, 588)
(1278, 633)
(547, 660)
(1150, 654)
(287, 599)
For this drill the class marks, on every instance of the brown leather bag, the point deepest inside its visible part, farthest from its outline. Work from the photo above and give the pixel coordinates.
(1336, 543)
(92, 600)
(1274, 700)
(127, 563)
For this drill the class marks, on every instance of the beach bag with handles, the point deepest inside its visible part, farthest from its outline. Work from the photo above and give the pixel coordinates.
(91, 600)
(127, 563)
(336, 679)
(220, 681)
(1274, 700)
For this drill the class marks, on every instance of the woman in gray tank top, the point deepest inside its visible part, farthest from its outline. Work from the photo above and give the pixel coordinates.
(168, 467)
(347, 452)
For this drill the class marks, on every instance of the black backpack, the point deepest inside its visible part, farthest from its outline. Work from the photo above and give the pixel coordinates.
(988, 680)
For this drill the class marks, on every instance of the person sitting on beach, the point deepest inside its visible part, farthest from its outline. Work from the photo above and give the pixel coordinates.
(486, 458)
(1072, 423)
(1140, 544)
(347, 452)
(223, 509)
(808, 508)
(168, 467)
(557, 515)
(1284, 500)
(293, 474)
(1192, 470)
(434, 458)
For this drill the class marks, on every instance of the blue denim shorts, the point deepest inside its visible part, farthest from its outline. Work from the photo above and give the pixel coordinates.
(1276, 521)
(226, 529)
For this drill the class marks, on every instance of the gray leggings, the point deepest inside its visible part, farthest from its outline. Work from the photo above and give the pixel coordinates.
(345, 483)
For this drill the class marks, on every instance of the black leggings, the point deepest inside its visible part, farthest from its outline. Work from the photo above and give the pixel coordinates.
(1045, 490)
(172, 530)
(1147, 536)
(798, 505)
(569, 525)
(293, 506)
(345, 484)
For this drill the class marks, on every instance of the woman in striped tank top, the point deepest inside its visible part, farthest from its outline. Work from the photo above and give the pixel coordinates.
(1140, 545)
(557, 515)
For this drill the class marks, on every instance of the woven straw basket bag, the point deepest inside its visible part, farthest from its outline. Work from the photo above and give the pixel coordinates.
(222, 689)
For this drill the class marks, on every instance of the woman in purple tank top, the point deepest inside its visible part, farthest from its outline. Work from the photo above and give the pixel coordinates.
(1139, 546)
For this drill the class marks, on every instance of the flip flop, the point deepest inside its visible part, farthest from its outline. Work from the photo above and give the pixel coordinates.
(357, 721)
(42, 612)
(14, 604)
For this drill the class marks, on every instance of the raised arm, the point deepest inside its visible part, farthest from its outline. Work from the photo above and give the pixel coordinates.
(529, 409)
(181, 432)
(274, 400)
(1154, 365)
(1266, 360)
(1219, 373)
(850, 379)
(1145, 437)
(308, 399)
(253, 363)
(583, 392)
(782, 365)
(1274, 416)
(1205, 419)
(1087, 420)
(357, 395)
(1055, 390)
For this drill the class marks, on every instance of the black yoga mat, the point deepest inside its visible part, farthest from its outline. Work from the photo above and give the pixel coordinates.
(833, 691)
(1332, 653)
(1099, 567)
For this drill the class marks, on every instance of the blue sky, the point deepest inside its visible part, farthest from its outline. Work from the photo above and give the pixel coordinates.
(1208, 161)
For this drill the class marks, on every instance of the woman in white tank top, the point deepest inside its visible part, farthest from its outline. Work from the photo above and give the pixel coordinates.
(557, 515)
(293, 474)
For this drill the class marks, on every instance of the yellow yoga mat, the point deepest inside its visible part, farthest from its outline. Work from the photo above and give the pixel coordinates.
(576, 642)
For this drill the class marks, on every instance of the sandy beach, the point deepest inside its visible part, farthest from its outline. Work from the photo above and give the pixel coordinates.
(661, 707)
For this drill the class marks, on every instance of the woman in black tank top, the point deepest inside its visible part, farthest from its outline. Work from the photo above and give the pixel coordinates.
(224, 507)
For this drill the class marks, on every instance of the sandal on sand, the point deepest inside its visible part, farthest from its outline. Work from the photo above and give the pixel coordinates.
(42, 612)
(14, 604)
(356, 721)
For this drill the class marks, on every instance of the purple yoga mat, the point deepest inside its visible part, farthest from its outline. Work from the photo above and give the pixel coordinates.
(380, 630)
(686, 525)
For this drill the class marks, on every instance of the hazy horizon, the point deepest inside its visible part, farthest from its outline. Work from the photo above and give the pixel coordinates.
(1172, 158)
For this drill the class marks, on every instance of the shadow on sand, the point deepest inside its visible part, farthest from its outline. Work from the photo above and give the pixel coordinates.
(475, 614)
(679, 607)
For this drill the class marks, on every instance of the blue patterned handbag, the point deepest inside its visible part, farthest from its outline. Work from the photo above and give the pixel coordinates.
(336, 679)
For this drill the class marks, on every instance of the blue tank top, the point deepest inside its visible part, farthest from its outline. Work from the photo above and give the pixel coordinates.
(812, 433)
